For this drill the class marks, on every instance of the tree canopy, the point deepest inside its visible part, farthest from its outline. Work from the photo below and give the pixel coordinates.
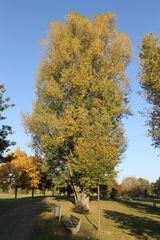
(5, 130)
(156, 186)
(150, 83)
(82, 90)
(21, 172)
(134, 187)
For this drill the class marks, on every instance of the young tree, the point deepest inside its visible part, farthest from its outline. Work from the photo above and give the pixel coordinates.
(33, 170)
(5, 130)
(81, 99)
(150, 83)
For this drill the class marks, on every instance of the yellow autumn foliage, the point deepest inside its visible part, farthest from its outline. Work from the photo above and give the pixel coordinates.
(81, 98)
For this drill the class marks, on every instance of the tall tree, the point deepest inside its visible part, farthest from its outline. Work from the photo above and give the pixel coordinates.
(5, 130)
(150, 83)
(81, 99)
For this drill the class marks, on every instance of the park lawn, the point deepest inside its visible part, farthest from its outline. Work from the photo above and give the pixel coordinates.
(22, 194)
(126, 220)
(7, 201)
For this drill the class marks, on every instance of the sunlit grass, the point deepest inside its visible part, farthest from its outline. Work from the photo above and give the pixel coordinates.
(23, 194)
(120, 220)
(127, 220)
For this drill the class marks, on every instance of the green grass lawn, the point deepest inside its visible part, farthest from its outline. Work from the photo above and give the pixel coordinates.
(120, 220)
(125, 220)
(22, 194)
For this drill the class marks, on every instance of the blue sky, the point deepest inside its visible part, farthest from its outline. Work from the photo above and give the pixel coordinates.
(24, 23)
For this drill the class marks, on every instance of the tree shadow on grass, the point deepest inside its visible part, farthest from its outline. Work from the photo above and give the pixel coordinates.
(7, 205)
(141, 207)
(142, 228)
(48, 227)
(85, 213)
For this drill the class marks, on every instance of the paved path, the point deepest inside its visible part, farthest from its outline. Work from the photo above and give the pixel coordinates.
(17, 224)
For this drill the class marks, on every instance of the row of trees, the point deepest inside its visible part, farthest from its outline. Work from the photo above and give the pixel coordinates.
(138, 187)
(29, 173)
(134, 187)
(23, 172)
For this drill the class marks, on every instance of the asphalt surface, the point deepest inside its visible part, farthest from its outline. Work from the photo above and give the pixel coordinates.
(17, 224)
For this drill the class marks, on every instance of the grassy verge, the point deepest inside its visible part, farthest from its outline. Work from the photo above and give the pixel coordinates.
(126, 220)
(47, 226)
(22, 194)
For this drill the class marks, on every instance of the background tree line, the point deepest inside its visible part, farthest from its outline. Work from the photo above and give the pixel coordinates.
(138, 187)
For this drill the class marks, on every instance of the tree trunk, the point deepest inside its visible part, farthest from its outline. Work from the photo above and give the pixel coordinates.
(53, 192)
(32, 192)
(74, 192)
(72, 183)
(44, 192)
(99, 210)
(83, 202)
(16, 192)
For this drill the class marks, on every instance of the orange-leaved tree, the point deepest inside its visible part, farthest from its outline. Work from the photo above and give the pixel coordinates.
(21, 172)
(5, 178)
(18, 170)
(33, 172)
